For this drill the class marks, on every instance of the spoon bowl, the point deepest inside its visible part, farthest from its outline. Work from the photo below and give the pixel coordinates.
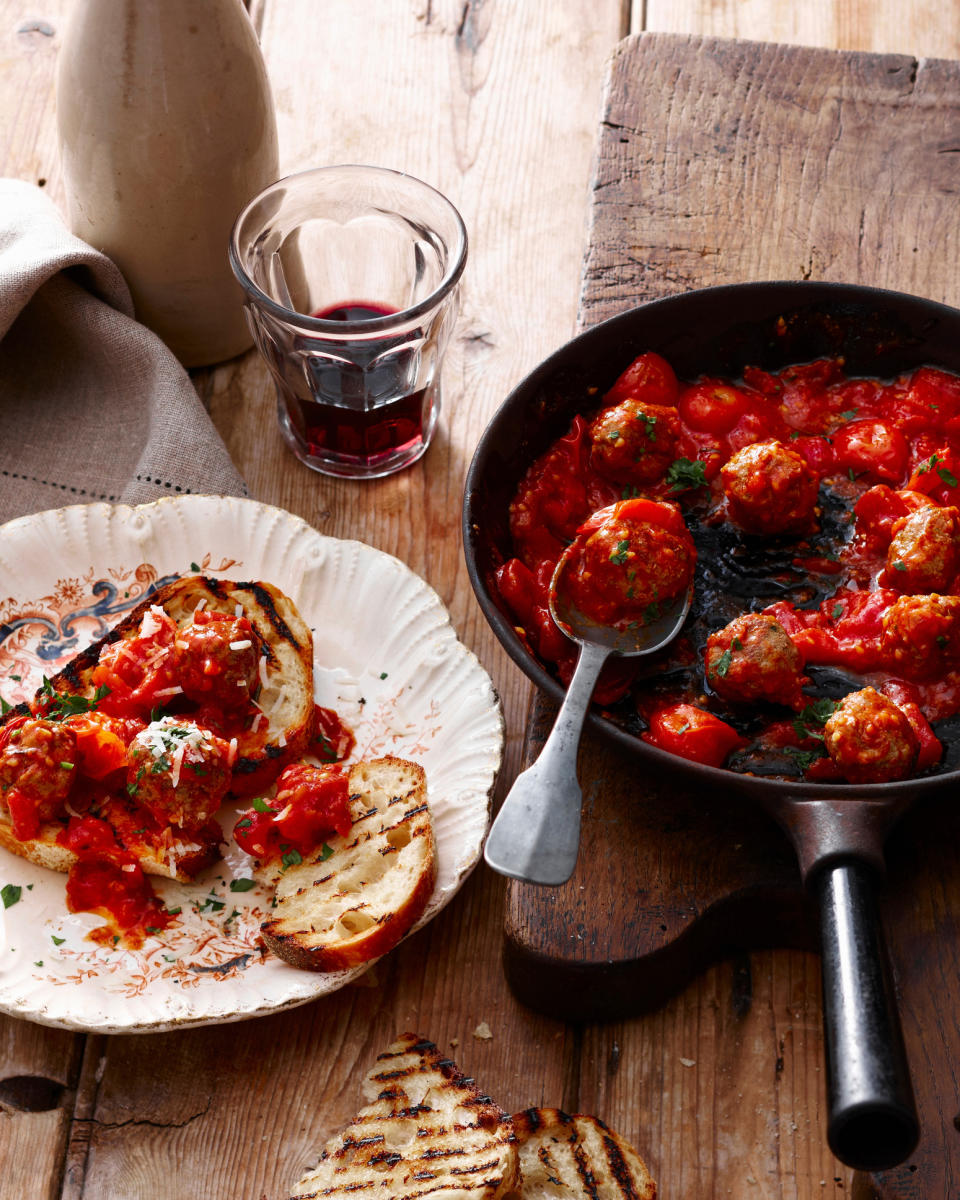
(536, 834)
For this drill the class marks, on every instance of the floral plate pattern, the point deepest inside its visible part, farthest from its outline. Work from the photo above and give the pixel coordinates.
(386, 658)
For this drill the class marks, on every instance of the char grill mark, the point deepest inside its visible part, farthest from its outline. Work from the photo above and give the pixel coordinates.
(265, 600)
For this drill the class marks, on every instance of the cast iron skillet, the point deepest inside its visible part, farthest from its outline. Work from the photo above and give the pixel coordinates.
(838, 831)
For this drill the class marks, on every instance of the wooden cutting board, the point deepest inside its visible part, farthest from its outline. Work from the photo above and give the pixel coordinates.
(721, 162)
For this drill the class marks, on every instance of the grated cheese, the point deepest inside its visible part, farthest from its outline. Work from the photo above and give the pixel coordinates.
(238, 611)
(262, 669)
(152, 620)
(170, 691)
(283, 813)
(232, 755)
(244, 645)
(282, 739)
(256, 722)
(129, 868)
(201, 605)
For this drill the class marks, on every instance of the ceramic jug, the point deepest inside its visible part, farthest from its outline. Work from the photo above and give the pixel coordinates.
(167, 129)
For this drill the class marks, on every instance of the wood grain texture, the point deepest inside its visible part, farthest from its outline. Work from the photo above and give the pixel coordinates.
(496, 103)
(922, 28)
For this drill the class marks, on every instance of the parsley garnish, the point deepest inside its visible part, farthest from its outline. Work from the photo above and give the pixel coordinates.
(928, 465)
(325, 852)
(242, 885)
(194, 567)
(261, 805)
(619, 556)
(292, 858)
(613, 435)
(383, 674)
(630, 492)
(245, 823)
(684, 473)
(722, 665)
(810, 722)
(174, 912)
(803, 758)
(4, 707)
(684, 727)
(837, 612)
(948, 477)
(651, 426)
(10, 894)
(899, 565)
(57, 941)
(61, 706)
(848, 415)
(651, 613)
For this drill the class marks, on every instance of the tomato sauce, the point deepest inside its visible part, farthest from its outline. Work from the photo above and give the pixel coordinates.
(137, 771)
(877, 451)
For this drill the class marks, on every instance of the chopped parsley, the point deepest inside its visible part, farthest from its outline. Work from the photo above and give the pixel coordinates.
(60, 706)
(809, 723)
(848, 415)
(4, 707)
(613, 435)
(383, 674)
(261, 805)
(722, 665)
(619, 556)
(630, 492)
(837, 612)
(651, 426)
(651, 613)
(57, 941)
(930, 463)
(242, 885)
(685, 473)
(244, 823)
(10, 894)
(948, 477)
(325, 852)
(803, 758)
(292, 858)
(899, 565)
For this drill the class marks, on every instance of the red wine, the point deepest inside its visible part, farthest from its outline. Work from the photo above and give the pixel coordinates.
(351, 411)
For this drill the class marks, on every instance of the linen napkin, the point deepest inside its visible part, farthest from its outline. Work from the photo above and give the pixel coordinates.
(93, 406)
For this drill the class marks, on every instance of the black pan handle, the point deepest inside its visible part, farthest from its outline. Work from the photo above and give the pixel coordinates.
(872, 1121)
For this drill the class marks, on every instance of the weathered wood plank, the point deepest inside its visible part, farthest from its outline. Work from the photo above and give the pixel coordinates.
(914, 27)
(36, 1064)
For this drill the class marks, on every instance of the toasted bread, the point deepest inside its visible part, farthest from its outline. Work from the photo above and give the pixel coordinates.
(564, 1157)
(286, 696)
(341, 909)
(426, 1129)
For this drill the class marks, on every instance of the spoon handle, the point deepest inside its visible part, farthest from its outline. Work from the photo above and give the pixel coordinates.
(536, 834)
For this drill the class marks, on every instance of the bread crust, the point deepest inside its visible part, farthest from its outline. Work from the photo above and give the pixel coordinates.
(288, 647)
(426, 1130)
(566, 1157)
(339, 910)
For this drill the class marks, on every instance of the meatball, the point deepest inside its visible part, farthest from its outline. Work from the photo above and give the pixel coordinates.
(39, 759)
(924, 555)
(217, 659)
(870, 740)
(753, 658)
(920, 635)
(629, 560)
(770, 489)
(179, 771)
(634, 442)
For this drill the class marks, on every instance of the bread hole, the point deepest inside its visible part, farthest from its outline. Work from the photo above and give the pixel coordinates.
(356, 922)
(399, 836)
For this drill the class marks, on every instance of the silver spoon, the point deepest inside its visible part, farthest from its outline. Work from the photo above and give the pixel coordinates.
(536, 834)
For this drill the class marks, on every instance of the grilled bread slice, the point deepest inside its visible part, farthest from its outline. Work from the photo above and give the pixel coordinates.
(341, 909)
(427, 1130)
(564, 1158)
(286, 698)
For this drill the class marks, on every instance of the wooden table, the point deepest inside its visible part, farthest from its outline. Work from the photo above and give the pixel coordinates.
(721, 1088)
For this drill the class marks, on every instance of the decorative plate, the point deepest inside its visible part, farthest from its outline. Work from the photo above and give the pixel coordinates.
(386, 658)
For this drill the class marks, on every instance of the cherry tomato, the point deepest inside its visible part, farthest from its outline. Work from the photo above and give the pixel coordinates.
(712, 407)
(692, 733)
(649, 378)
(873, 448)
(938, 476)
(518, 588)
(817, 451)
